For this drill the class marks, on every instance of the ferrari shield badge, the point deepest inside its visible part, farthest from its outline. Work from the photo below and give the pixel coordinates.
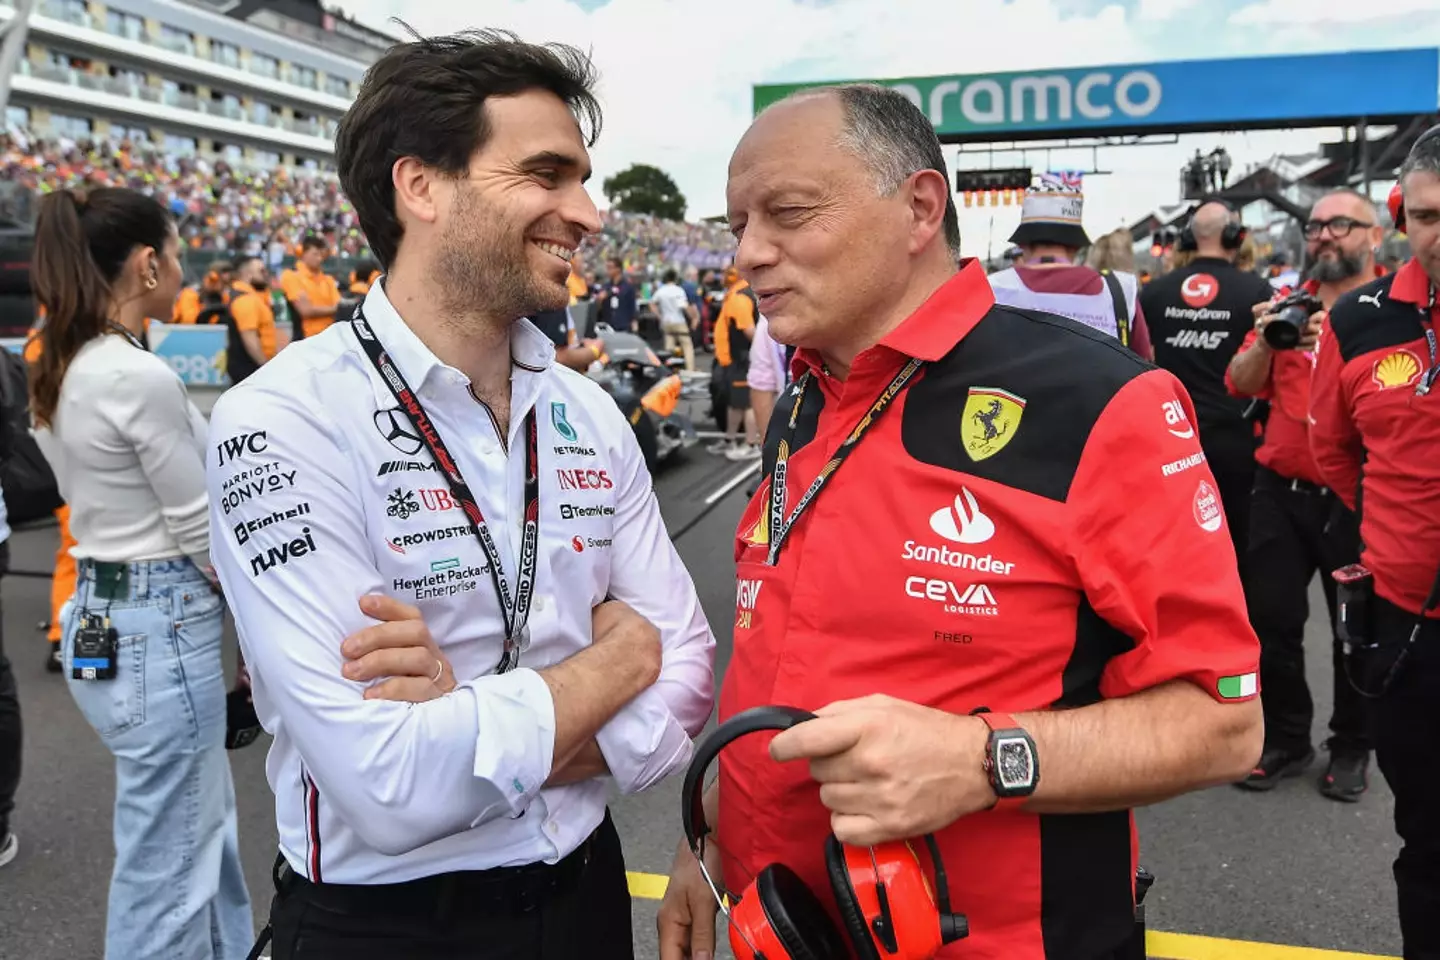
(990, 419)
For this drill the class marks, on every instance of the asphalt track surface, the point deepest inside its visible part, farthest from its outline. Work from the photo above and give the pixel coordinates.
(1240, 876)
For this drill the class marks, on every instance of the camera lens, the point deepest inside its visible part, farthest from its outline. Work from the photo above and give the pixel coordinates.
(1283, 333)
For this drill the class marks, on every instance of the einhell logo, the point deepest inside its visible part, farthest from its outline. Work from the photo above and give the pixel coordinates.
(584, 479)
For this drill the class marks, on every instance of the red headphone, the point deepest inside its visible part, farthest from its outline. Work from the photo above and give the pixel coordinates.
(884, 897)
(1396, 202)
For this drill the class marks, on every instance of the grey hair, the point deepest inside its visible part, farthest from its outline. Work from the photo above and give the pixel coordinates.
(893, 139)
(1424, 156)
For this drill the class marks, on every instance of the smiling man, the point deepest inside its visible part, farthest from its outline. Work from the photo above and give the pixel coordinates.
(973, 533)
(432, 450)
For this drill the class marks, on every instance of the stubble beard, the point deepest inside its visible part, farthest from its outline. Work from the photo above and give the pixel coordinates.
(484, 265)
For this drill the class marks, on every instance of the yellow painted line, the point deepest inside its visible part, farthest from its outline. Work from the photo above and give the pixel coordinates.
(1184, 946)
(647, 886)
(1171, 946)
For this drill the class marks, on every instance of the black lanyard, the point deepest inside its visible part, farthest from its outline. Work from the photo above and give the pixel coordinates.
(134, 341)
(780, 527)
(516, 611)
(1432, 373)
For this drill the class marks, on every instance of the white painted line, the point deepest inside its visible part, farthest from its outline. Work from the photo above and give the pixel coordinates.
(732, 483)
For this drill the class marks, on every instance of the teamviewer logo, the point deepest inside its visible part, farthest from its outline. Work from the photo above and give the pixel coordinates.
(962, 522)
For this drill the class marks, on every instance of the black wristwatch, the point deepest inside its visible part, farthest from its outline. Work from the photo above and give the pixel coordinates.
(1011, 762)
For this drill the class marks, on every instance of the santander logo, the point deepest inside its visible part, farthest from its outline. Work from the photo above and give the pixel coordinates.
(962, 522)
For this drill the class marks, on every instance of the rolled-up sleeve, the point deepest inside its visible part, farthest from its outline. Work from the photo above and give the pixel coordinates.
(288, 538)
(651, 737)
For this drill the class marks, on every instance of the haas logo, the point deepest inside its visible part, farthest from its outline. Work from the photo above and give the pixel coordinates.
(1199, 290)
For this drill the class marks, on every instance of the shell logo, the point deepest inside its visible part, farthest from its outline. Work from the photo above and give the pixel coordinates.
(1399, 369)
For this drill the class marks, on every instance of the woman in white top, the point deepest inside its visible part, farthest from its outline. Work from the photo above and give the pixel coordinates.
(142, 634)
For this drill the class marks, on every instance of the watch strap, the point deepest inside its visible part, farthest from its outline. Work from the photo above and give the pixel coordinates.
(998, 722)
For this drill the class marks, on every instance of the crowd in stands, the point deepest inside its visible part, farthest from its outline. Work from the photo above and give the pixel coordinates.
(224, 211)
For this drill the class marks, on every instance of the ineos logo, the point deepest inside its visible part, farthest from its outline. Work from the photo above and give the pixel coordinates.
(395, 428)
(1199, 290)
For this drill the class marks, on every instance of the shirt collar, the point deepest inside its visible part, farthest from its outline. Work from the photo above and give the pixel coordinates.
(1411, 284)
(934, 329)
(530, 349)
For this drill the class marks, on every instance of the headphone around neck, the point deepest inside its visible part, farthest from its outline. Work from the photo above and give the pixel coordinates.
(884, 898)
(1231, 238)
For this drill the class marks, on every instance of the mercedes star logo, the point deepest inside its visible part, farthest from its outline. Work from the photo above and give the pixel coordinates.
(395, 427)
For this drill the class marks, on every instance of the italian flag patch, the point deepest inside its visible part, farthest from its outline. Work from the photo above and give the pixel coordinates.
(1236, 688)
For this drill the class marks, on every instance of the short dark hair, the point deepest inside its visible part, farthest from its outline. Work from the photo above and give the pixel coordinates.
(426, 98)
(670, 276)
(313, 242)
(1424, 156)
(894, 139)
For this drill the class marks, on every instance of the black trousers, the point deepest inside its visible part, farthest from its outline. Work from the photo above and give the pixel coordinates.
(1296, 531)
(574, 910)
(1230, 454)
(1406, 730)
(10, 728)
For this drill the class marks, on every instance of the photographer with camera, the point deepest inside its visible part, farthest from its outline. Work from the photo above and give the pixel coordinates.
(1297, 525)
(1198, 315)
(1374, 431)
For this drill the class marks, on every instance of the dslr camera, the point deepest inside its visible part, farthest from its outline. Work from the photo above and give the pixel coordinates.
(1291, 315)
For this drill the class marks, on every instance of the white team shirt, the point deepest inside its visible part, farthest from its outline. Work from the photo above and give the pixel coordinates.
(320, 492)
(670, 302)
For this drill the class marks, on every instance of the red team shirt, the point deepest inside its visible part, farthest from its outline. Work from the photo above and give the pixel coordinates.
(1286, 444)
(1364, 407)
(1030, 525)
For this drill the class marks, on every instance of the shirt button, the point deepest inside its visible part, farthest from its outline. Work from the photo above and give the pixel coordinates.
(539, 604)
(553, 827)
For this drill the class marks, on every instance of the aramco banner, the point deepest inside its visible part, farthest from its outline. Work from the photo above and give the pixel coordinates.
(1200, 94)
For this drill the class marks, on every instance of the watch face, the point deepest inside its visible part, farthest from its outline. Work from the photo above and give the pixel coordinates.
(1014, 764)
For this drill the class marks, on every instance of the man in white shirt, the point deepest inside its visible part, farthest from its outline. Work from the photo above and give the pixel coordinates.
(677, 317)
(433, 451)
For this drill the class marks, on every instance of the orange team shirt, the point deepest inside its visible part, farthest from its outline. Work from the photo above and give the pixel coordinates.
(577, 286)
(739, 311)
(321, 289)
(252, 311)
(187, 306)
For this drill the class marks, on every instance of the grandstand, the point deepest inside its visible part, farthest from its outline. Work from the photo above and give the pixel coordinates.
(258, 85)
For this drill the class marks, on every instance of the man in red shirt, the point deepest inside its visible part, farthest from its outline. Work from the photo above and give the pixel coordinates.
(1297, 526)
(1375, 414)
(1013, 515)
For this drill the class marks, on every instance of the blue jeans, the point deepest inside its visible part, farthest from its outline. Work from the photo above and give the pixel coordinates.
(177, 889)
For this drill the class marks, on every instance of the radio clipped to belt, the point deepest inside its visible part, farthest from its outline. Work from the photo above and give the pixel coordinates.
(95, 648)
(1367, 655)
